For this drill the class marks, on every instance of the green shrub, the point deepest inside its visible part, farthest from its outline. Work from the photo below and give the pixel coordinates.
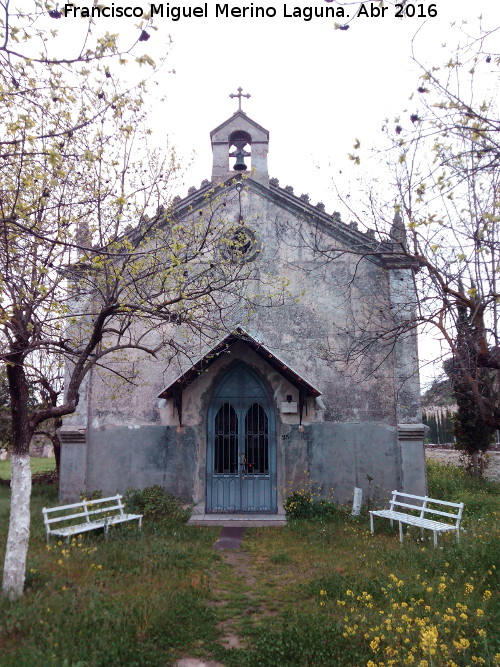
(302, 505)
(155, 503)
(298, 505)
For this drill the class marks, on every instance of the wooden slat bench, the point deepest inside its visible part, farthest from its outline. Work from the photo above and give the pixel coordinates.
(416, 513)
(86, 515)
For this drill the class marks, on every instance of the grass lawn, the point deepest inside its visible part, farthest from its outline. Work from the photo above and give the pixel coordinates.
(312, 593)
(37, 465)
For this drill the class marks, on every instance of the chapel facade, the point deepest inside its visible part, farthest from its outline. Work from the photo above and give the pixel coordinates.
(269, 405)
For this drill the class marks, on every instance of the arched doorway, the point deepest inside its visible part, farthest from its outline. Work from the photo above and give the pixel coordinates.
(241, 445)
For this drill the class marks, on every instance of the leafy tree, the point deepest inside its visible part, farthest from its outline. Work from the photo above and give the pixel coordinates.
(473, 436)
(83, 286)
(53, 132)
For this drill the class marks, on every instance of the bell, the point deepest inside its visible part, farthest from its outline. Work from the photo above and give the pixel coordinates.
(239, 165)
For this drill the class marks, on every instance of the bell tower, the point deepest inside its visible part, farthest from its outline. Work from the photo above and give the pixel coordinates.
(239, 146)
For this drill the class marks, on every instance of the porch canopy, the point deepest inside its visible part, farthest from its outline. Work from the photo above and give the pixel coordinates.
(175, 389)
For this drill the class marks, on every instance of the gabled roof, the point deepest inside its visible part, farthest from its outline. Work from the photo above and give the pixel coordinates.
(223, 347)
(380, 252)
(246, 118)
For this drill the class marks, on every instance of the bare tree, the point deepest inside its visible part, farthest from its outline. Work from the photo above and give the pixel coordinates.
(448, 177)
(442, 160)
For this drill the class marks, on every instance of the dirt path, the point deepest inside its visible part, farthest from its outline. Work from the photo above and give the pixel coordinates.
(240, 565)
(235, 600)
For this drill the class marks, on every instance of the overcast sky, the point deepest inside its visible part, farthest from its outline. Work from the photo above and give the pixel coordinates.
(316, 89)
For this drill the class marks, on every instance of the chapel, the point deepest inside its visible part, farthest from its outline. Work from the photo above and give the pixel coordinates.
(309, 392)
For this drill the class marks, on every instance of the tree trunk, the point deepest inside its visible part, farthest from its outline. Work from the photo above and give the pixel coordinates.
(475, 463)
(19, 527)
(57, 453)
(57, 445)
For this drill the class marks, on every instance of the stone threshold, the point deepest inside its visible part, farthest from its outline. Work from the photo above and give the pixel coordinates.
(240, 520)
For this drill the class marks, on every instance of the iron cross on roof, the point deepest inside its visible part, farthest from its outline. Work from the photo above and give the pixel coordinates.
(239, 96)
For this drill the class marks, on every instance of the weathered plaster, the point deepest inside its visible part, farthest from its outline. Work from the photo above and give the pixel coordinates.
(132, 439)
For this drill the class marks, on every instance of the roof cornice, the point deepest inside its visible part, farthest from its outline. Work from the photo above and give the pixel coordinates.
(384, 253)
(222, 347)
(239, 114)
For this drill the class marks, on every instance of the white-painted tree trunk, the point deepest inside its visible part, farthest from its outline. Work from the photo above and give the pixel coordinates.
(19, 527)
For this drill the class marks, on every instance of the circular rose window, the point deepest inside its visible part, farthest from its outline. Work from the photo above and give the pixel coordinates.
(241, 244)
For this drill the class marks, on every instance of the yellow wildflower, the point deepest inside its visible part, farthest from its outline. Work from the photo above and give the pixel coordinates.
(462, 644)
(428, 639)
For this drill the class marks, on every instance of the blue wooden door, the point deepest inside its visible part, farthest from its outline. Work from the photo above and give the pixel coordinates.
(241, 451)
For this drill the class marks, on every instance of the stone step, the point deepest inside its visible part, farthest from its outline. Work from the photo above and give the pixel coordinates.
(240, 520)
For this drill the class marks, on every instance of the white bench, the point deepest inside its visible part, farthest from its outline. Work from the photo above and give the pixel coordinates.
(86, 515)
(418, 511)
